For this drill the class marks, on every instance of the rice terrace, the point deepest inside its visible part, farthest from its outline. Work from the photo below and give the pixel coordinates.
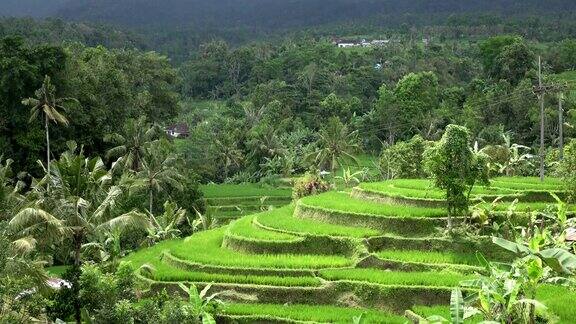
(376, 247)
(302, 161)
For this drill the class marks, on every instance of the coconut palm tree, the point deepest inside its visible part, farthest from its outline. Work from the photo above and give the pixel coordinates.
(158, 172)
(131, 146)
(48, 107)
(336, 146)
(229, 154)
(81, 206)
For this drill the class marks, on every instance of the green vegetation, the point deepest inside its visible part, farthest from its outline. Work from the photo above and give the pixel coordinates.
(212, 253)
(243, 190)
(166, 273)
(394, 278)
(283, 220)
(57, 271)
(287, 178)
(341, 201)
(429, 257)
(315, 313)
(246, 228)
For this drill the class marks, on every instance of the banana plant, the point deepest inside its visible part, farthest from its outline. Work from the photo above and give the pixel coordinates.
(165, 226)
(350, 178)
(459, 311)
(204, 306)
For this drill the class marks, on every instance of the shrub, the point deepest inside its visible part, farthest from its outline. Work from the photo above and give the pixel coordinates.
(404, 159)
(309, 185)
(567, 169)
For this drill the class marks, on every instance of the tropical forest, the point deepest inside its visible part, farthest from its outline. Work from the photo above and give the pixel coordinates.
(303, 161)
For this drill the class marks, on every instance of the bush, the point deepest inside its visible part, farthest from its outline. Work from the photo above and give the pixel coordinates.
(404, 159)
(309, 185)
(567, 169)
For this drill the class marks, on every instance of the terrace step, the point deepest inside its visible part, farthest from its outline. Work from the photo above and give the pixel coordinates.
(283, 220)
(407, 260)
(437, 244)
(416, 226)
(278, 313)
(193, 266)
(228, 201)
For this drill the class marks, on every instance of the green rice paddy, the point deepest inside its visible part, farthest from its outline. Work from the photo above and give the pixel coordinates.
(245, 228)
(395, 278)
(283, 220)
(429, 257)
(243, 190)
(301, 286)
(312, 313)
(342, 201)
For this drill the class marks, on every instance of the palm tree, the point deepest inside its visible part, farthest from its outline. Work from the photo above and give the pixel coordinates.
(228, 153)
(336, 146)
(10, 196)
(131, 147)
(158, 172)
(81, 206)
(47, 105)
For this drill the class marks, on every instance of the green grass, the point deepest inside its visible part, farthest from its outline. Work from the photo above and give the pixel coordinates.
(243, 190)
(245, 228)
(529, 206)
(205, 248)
(312, 313)
(167, 273)
(423, 189)
(429, 257)
(342, 201)
(283, 219)
(528, 183)
(57, 271)
(559, 300)
(441, 310)
(439, 279)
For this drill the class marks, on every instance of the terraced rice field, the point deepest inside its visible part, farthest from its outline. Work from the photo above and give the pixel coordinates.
(226, 202)
(329, 258)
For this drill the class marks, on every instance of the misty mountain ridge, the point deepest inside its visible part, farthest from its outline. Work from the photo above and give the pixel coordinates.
(266, 14)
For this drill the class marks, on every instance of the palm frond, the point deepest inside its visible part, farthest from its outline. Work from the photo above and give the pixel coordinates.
(24, 245)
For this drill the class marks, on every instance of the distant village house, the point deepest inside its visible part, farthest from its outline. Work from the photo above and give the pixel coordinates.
(179, 130)
(346, 43)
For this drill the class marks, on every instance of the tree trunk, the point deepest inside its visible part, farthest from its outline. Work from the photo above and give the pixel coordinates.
(151, 201)
(46, 125)
(76, 284)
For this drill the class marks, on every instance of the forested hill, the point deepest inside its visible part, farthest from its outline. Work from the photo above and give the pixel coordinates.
(32, 8)
(275, 14)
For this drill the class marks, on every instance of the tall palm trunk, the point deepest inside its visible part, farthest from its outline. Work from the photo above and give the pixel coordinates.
(46, 125)
(151, 200)
(78, 238)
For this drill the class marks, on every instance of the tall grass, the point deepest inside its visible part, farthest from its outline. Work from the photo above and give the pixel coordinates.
(423, 189)
(205, 248)
(440, 279)
(245, 228)
(243, 190)
(313, 313)
(429, 257)
(168, 273)
(341, 201)
(283, 219)
(559, 300)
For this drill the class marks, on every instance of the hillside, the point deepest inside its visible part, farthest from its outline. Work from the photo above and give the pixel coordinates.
(274, 14)
(333, 256)
(32, 8)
